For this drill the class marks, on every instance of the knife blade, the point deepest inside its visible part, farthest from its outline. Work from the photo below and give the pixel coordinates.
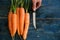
(34, 19)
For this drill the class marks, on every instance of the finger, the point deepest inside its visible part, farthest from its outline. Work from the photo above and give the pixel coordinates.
(38, 4)
(34, 5)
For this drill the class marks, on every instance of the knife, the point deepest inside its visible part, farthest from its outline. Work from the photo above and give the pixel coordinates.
(34, 19)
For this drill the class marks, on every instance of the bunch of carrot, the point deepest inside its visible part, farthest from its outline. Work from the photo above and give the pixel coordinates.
(19, 18)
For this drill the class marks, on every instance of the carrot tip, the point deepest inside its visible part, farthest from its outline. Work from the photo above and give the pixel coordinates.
(36, 29)
(12, 38)
(21, 38)
(24, 39)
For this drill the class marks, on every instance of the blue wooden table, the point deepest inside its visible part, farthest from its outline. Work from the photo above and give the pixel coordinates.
(48, 21)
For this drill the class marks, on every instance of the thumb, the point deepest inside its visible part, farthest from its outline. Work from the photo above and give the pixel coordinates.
(34, 6)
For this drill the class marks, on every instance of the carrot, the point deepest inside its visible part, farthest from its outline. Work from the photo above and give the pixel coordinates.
(27, 20)
(26, 27)
(21, 21)
(17, 12)
(14, 22)
(13, 18)
(21, 17)
(10, 22)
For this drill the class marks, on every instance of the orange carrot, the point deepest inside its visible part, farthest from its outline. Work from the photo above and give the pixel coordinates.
(10, 22)
(12, 19)
(17, 12)
(14, 22)
(21, 21)
(26, 27)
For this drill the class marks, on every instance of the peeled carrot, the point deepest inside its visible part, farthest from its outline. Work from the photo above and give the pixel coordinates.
(26, 27)
(10, 22)
(17, 12)
(14, 22)
(21, 21)
(12, 19)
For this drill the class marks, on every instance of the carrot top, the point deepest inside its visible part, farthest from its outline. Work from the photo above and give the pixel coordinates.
(13, 5)
(26, 5)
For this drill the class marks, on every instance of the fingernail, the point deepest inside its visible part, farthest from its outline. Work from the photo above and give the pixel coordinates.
(34, 9)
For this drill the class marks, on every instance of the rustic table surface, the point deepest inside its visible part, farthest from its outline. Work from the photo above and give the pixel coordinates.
(48, 21)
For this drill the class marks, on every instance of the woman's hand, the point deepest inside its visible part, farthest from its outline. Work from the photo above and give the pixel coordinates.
(36, 4)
